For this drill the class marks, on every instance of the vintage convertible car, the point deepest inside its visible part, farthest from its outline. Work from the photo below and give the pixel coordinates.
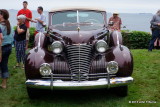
(78, 52)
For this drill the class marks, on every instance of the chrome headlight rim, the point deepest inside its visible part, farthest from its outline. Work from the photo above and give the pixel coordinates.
(101, 44)
(55, 49)
(45, 69)
(112, 67)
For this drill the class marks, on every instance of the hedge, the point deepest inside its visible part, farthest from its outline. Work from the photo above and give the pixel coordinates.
(136, 39)
(31, 39)
(131, 39)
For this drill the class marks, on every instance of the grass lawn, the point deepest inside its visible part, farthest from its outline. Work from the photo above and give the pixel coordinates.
(146, 87)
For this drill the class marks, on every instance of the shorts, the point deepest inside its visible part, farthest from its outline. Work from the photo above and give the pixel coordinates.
(27, 34)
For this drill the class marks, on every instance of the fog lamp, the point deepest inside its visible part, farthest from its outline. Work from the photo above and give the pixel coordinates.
(45, 69)
(112, 67)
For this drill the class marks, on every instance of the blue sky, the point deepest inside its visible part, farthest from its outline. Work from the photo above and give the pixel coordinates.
(122, 6)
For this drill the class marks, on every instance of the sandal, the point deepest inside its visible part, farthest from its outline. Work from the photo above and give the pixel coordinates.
(3, 87)
(22, 67)
(17, 66)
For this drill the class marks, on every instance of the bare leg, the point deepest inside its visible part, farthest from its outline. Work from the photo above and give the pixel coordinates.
(27, 44)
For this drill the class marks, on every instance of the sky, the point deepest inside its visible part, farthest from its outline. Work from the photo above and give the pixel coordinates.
(121, 6)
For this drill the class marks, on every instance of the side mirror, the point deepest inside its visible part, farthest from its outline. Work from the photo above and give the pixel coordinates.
(124, 27)
(47, 33)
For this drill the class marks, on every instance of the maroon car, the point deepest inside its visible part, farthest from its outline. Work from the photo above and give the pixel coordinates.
(78, 52)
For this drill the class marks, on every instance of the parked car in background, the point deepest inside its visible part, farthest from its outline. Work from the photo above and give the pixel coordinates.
(78, 52)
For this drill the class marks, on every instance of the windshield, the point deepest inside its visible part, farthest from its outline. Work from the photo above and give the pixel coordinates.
(72, 20)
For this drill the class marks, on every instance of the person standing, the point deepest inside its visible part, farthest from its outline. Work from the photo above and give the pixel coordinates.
(25, 11)
(1, 38)
(6, 45)
(20, 40)
(40, 21)
(116, 22)
(155, 23)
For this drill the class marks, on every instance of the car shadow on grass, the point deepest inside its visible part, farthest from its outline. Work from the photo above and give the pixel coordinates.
(76, 97)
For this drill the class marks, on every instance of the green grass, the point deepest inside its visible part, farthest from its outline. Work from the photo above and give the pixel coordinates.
(146, 87)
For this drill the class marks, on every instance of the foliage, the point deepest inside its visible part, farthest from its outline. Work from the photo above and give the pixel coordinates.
(31, 39)
(136, 39)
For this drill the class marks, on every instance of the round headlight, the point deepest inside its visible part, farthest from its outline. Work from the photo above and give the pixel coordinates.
(101, 46)
(45, 69)
(112, 67)
(57, 47)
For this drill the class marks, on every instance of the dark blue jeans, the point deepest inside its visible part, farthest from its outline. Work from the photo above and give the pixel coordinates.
(155, 35)
(6, 51)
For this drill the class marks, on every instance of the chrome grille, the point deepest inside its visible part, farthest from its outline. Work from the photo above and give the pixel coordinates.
(79, 59)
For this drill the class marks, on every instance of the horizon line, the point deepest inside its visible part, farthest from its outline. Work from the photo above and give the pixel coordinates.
(106, 11)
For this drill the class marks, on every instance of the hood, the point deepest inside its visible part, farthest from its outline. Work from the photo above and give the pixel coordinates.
(78, 37)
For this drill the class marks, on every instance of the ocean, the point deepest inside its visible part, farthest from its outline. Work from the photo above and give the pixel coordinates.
(132, 21)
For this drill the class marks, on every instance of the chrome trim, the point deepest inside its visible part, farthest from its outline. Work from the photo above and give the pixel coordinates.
(39, 39)
(112, 63)
(108, 78)
(69, 76)
(117, 38)
(57, 42)
(79, 58)
(45, 65)
(51, 81)
(75, 85)
(101, 41)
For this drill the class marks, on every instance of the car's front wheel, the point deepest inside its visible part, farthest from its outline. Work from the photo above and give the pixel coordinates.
(121, 91)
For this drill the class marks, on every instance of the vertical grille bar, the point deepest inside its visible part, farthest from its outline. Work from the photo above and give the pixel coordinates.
(79, 59)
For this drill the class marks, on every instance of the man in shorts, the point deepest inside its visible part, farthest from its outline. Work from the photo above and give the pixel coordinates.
(25, 11)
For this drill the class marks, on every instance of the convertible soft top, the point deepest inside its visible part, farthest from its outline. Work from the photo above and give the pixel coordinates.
(78, 8)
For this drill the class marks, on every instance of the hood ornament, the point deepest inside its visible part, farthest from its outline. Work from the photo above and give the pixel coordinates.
(78, 29)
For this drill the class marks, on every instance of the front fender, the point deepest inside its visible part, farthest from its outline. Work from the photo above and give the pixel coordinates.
(34, 59)
(123, 57)
(115, 39)
(39, 39)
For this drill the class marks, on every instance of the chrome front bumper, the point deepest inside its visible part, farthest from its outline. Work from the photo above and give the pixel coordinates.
(75, 85)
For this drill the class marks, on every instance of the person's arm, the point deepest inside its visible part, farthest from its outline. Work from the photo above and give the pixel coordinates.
(21, 30)
(120, 23)
(29, 18)
(153, 21)
(42, 21)
(39, 21)
(1, 37)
